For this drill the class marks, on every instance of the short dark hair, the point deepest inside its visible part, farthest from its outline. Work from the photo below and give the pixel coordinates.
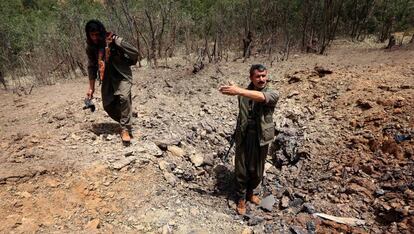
(259, 67)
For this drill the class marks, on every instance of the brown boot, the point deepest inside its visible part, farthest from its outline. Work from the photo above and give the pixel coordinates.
(241, 207)
(253, 198)
(126, 138)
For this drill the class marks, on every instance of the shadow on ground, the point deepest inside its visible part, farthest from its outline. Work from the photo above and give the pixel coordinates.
(105, 128)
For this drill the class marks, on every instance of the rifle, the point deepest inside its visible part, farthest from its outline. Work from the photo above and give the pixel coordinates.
(231, 146)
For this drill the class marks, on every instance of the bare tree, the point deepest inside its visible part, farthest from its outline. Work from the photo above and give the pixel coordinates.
(331, 17)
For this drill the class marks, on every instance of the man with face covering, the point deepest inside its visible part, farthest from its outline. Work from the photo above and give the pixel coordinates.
(110, 58)
(254, 132)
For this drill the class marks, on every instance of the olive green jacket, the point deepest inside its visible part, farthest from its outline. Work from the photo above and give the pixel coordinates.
(263, 115)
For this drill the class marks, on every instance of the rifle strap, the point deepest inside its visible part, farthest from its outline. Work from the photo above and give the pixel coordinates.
(103, 56)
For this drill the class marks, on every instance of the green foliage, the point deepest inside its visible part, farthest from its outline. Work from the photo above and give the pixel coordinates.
(32, 26)
(30, 29)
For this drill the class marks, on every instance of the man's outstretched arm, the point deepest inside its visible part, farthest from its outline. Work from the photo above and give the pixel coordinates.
(233, 90)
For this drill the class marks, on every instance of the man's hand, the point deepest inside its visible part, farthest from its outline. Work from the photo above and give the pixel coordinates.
(117, 39)
(230, 90)
(89, 94)
(114, 36)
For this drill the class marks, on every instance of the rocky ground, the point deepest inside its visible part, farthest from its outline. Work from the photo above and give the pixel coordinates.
(344, 148)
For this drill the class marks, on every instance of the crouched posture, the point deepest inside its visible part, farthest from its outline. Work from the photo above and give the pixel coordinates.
(110, 58)
(254, 133)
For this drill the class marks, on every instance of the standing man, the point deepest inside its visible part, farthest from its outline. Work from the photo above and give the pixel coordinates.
(254, 133)
(110, 58)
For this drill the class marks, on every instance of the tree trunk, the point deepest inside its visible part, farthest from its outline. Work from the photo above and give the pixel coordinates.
(391, 42)
(138, 42)
(206, 50)
(161, 34)
(153, 55)
(305, 14)
(247, 45)
(214, 52)
(2, 80)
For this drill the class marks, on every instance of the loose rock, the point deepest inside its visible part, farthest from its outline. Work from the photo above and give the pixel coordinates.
(123, 162)
(170, 178)
(93, 224)
(268, 202)
(152, 148)
(176, 151)
(285, 202)
(197, 159)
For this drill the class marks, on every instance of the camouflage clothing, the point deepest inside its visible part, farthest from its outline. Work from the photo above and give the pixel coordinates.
(116, 86)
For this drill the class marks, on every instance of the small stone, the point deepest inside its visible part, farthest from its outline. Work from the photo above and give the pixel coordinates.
(170, 178)
(164, 143)
(139, 149)
(297, 230)
(128, 152)
(268, 228)
(25, 194)
(35, 140)
(247, 231)
(194, 211)
(139, 227)
(197, 159)
(397, 111)
(379, 192)
(164, 166)
(75, 137)
(176, 151)
(409, 193)
(254, 220)
(166, 229)
(296, 202)
(399, 102)
(231, 204)
(180, 212)
(293, 93)
(118, 165)
(59, 116)
(294, 78)
(363, 104)
(152, 148)
(93, 224)
(267, 169)
(311, 226)
(209, 160)
(308, 208)
(285, 202)
(267, 203)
